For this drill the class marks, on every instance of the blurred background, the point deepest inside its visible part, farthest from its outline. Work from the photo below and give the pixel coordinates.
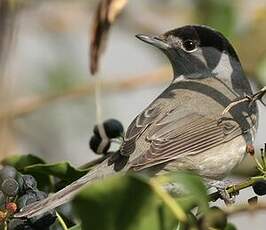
(47, 103)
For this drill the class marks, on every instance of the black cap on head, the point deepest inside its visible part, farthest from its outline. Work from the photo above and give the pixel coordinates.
(193, 50)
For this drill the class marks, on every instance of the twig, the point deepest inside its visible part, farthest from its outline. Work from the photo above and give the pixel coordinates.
(236, 209)
(235, 189)
(251, 99)
(25, 106)
(94, 162)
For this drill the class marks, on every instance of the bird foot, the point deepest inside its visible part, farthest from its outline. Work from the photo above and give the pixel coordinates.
(222, 187)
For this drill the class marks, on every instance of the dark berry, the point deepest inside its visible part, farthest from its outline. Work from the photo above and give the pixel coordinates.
(19, 179)
(43, 220)
(40, 195)
(25, 200)
(95, 143)
(113, 129)
(10, 187)
(29, 182)
(260, 188)
(8, 172)
(2, 199)
(18, 224)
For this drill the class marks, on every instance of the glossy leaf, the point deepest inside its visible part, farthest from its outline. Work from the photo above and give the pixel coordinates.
(122, 202)
(63, 170)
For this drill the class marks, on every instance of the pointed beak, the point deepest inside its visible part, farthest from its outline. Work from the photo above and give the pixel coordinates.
(154, 40)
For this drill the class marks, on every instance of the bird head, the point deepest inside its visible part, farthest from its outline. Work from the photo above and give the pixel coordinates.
(196, 51)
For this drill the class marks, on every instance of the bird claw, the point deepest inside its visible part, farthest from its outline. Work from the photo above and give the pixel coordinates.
(225, 196)
(222, 188)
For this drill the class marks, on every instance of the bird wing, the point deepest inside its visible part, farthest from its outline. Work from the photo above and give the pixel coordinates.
(138, 126)
(172, 138)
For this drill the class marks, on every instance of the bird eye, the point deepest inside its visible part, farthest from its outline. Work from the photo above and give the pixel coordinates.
(189, 45)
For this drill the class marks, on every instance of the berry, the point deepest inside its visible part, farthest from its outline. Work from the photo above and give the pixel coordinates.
(95, 142)
(25, 200)
(40, 195)
(260, 188)
(19, 224)
(8, 172)
(10, 187)
(11, 207)
(2, 199)
(2, 216)
(44, 220)
(113, 128)
(29, 182)
(19, 179)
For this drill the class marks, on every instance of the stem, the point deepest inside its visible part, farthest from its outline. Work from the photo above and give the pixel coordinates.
(234, 189)
(94, 162)
(232, 210)
(61, 221)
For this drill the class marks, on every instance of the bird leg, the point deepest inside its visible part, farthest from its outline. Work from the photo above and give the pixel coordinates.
(222, 187)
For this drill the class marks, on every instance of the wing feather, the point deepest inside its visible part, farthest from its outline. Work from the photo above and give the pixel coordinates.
(190, 135)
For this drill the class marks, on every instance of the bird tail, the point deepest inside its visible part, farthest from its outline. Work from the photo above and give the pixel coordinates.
(67, 193)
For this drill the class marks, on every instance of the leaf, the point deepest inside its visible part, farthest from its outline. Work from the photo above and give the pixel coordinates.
(193, 187)
(106, 13)
(22, 161)
(76, 227)
(230, 226)
(122, 202)
(63, 170)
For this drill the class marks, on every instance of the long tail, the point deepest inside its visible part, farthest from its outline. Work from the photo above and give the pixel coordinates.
(67, 193)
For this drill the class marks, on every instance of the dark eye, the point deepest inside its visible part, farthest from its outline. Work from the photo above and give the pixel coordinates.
(189, 45)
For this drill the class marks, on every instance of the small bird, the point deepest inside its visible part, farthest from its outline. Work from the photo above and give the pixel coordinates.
(182, 129)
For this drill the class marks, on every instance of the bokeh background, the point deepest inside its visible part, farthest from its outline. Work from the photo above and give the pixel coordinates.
(47, 102)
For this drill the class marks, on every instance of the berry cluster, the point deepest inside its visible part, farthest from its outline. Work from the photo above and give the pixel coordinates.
(259, 187)
(16, 192)
(103, 134)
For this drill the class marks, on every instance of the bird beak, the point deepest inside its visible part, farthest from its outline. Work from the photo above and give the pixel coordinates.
(153, 40)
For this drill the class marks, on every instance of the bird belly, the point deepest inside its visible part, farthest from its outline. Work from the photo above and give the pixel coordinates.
(215, 163)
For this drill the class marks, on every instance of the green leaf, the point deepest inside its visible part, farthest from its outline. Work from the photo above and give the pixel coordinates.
(194, 188)
(122, 203)
(22, 161)
(76, 227)
(230, 226)
(63, 170)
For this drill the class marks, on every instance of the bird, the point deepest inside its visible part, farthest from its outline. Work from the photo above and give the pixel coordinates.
(182, 129)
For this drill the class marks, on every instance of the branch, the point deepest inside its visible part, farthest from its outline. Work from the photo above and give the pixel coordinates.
(251, 99)
(25, 106)
(236, 209)
(236, 188)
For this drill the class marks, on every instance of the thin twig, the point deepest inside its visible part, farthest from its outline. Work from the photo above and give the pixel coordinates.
(94, 162)
(236, 209)
(25, 106)
(236, 188)
(251, 99)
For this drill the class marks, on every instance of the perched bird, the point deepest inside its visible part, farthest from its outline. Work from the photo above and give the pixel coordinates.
(182, 129)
